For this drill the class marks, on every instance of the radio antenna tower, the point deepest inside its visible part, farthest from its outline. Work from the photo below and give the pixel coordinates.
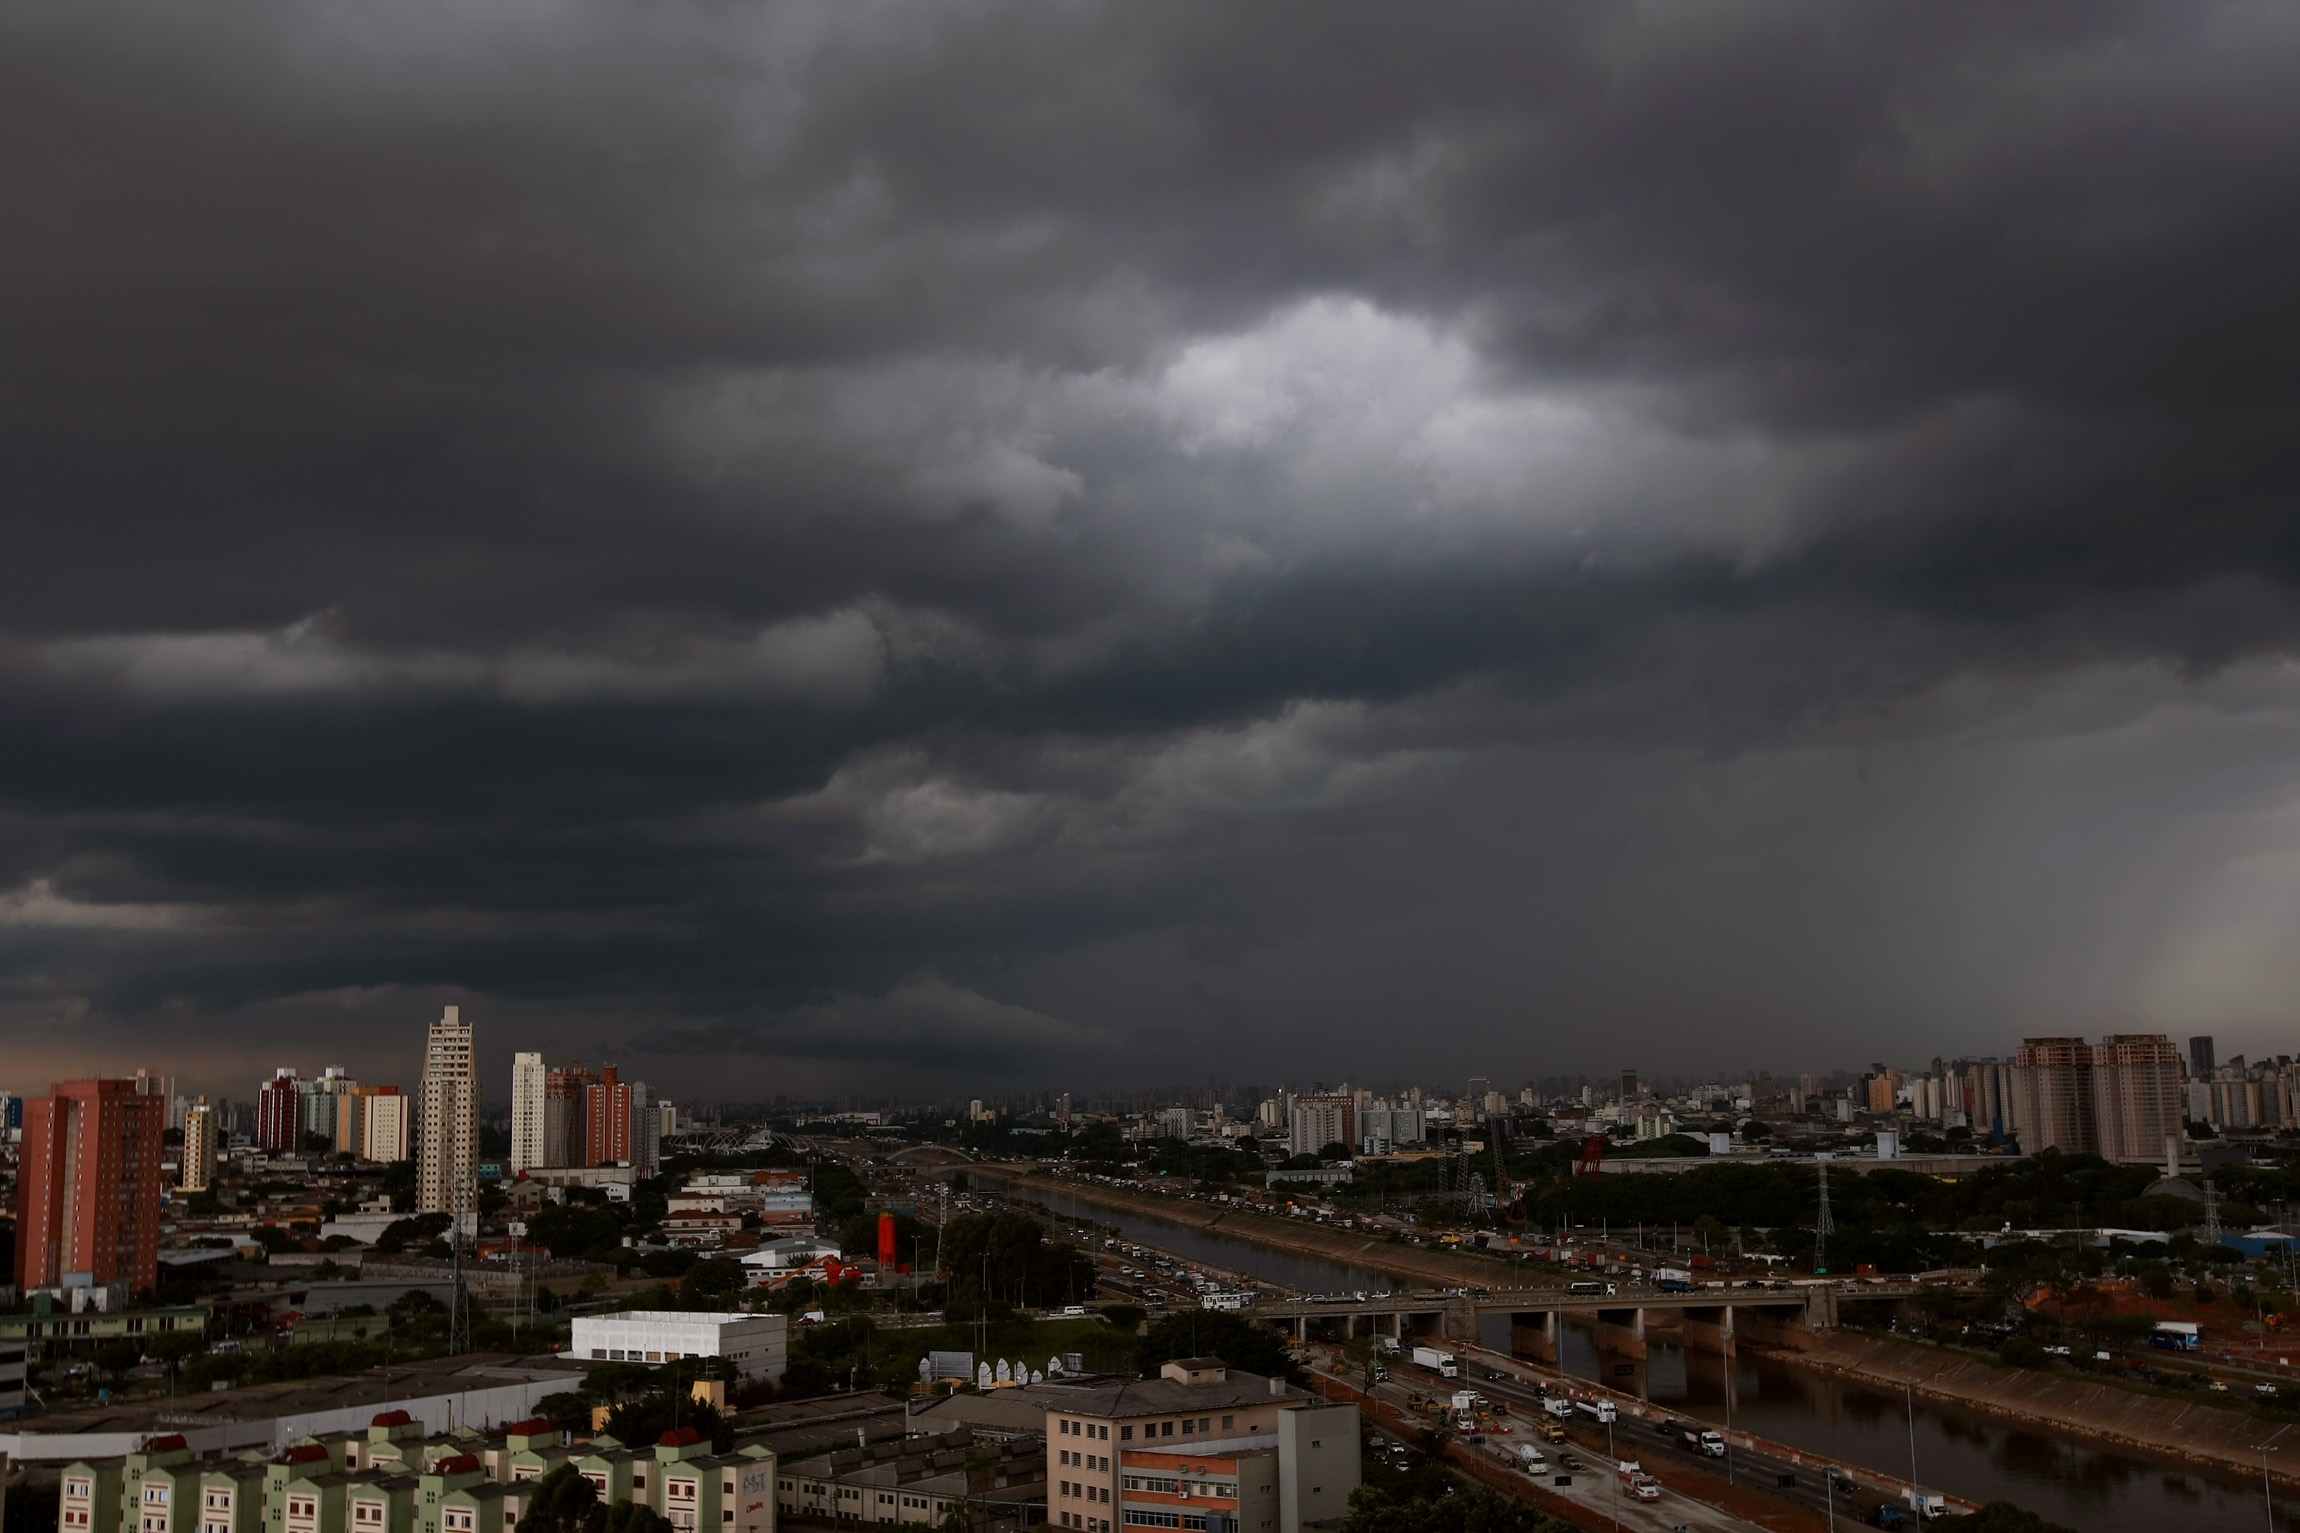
(2211, 1213)
(1822, 1223)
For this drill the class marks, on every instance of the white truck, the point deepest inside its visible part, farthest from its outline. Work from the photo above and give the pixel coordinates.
(1442, 1362)
(1927, 1504)
(1531, 1459)
(1599, 1411)
(1713, 1443)
(1559, 1406)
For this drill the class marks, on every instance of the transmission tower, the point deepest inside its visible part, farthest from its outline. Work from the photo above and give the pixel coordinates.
(1822, 1223)
(2211, 1213)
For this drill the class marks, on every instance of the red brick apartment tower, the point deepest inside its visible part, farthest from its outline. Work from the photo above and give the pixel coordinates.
(88, 1186)
(609, 1140)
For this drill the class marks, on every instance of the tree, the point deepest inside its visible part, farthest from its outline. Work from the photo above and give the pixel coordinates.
(1378, 1509)
(714, 1278)
(631, 1517)
(115, 1358)
(643, 1421)
(1215, 1333)
(563, 1501)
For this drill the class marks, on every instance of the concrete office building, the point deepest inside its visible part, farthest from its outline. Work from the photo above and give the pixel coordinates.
(88, 1188)
(2201, 1061)
(1199, 1441)
(530, 1096)
(758, 1345)
(447, 1117)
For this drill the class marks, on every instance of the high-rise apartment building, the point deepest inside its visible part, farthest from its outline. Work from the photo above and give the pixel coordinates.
(530, 1102)
(607, 1128)
(567, 1116)
(2200, 1060)
(447, 1117)
(385, 1127)
(279, 1113)
(88, 1187)
(623, 1124)
(1322, 1120)
(2052, 1096)
(2136, 1094)
(198, 1172)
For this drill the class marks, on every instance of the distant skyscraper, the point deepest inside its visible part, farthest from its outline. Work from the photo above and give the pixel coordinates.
(1629, 1087)
(2200, 1062)
(88, 1187)
(1475, 1095)
(530, 1099)
(199, 1166)
(447, 1129)
(279, 1113)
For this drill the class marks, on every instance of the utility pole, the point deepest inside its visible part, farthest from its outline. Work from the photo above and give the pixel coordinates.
(1822, 1223)
(459, 1310)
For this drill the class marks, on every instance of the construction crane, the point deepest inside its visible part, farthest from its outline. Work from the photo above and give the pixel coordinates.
(1592, 1152)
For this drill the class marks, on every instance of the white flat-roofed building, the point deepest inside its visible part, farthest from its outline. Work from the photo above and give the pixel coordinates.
(758, 1345)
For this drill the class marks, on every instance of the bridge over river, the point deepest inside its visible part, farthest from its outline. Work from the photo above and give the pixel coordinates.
(1709, 1318)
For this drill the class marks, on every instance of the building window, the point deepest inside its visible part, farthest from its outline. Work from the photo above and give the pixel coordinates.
(1187, 1426)
(1125, 1434)
(1228, 1422)
(1166, 1429)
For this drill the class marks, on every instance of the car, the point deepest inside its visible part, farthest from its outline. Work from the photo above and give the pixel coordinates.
(1495, 1373)
(1569, 1462)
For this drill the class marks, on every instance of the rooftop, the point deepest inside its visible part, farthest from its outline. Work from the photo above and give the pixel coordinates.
(295, 1397)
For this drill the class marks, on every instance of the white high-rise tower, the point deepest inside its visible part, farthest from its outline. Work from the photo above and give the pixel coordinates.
(530, 1092)
(447, 1111)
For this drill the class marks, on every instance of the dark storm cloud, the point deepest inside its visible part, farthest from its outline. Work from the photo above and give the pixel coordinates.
(1034, 540)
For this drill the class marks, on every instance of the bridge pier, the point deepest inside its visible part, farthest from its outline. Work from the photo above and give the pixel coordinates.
(1533, 1336)
(1620, 1332)
(1708, 1327)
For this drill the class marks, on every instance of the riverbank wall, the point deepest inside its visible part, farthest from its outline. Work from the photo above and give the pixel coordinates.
(2190, 1431)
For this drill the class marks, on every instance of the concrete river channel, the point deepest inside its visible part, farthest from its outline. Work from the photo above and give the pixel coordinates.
(1975, 1456)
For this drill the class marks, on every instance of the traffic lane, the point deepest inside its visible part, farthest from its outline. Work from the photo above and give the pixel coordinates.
(1595, 1489)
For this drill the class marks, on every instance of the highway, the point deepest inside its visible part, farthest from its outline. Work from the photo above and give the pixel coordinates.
(1853, 1497)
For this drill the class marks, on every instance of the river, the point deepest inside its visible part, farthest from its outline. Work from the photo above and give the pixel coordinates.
(1977, 1457)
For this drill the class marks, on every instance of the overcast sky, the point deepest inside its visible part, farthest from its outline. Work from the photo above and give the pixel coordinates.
(905, 547)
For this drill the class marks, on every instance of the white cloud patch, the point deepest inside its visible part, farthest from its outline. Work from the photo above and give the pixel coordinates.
(833, 660)
(37, 905)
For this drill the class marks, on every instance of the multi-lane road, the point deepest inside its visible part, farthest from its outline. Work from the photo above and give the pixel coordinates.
(1850, 1496)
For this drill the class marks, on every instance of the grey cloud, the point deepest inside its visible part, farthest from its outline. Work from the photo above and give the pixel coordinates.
(1293, 528)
